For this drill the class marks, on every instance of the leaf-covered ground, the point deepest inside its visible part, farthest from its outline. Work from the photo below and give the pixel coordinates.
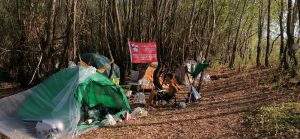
(224, 111)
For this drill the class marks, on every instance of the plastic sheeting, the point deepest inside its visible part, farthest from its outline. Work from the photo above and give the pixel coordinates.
(99, 61)
(51, 99)
(53, 107)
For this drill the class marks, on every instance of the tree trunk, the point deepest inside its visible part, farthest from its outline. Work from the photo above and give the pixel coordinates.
(68, 33)
(159, 47)
(209, 42)
(267, 64)
(106, 38)
(283, 49)
(298, 4)
(290, 39)
(260, 32)
(232, 61)
(119, 39)
(211, 37)
(187, 39)
(49, 38)
(74, 34)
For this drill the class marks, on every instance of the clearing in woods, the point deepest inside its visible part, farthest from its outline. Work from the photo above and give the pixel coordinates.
(222, 112)
(226, 104)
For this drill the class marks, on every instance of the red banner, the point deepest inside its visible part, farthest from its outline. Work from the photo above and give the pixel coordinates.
(143, 52)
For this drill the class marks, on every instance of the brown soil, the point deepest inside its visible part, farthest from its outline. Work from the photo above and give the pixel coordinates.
(226, 103)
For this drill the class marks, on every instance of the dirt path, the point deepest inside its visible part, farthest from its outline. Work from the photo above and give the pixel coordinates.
(220, 114)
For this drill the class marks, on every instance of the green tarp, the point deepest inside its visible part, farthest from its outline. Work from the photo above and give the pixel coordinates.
(60, 98)
(199, 68)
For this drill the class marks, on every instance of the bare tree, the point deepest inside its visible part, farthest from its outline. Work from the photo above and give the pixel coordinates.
(260, 32)
(49, 36)
(290, 35)
(232, 61)
(283, 48)
(267, 64)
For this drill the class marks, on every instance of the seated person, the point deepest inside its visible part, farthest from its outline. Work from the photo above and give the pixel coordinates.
(165, 95)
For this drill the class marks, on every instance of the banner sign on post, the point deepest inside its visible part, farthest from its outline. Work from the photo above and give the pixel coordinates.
(143, 52)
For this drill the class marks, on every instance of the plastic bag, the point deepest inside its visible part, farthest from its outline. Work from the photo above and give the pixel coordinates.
(94, 114)
(85, 73)
(71, 64)
(110, 120)
(206, 78)
(139, 98)
(195, 93)
(139, 112)
(128, 93)
(49, 128)
(143, 81)
(182, 105)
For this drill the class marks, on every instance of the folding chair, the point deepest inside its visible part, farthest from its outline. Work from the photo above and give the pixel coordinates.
(199, 68)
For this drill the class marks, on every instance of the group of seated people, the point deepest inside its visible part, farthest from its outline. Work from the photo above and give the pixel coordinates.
(169, 83)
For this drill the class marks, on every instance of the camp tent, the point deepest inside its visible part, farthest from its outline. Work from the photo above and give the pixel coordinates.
(101, 63)
(57, 102)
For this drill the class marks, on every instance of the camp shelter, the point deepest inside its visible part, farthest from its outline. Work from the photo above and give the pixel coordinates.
(57, 102)
(101, 63)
